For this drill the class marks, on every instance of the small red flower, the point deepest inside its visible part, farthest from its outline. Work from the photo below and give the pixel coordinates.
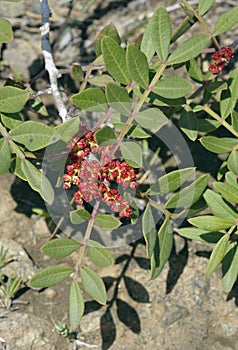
(94, 178)
(221, 58)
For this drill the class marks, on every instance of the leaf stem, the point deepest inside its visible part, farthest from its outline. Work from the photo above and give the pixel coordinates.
(13, 146)
(202, 22)
(87, 234)
(220, 120)
(139, 105)
(61, 219)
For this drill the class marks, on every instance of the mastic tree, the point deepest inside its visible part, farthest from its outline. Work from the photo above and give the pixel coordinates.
(111, 174)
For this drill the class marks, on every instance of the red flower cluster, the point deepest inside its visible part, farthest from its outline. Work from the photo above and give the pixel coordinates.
(221, 58)
(95, 177)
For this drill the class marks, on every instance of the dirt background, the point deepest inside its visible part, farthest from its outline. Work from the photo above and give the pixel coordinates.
(182, 308)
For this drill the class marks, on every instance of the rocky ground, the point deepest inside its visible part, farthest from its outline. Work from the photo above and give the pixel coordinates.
(182, 309)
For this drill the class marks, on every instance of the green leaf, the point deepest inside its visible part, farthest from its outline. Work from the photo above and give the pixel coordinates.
(188, 195)
(68, 129)
(76, 305)
(5, 156)
(218, 207)
(151, 119)
(107, 221)
(109, 31)
(60, 247)
(172, 181)
(11, 120)
(217, 255)
(137, 66)
(207, 125)
(6, 34)
(37, 180)
(194, 70)
(147, 46)
(105, 136)
(173, 87)
(230, 267)
(17, 166)
(92, 99)
(226, 21)
(211, 223)
(185, 25)
(231, 178)
(162, 250)
(118, 120)
(158, 100)
(204, 6)
(188, 123)
(118, 99)
(230, 193)
(77, 72)
(12, 99)
(149, 230)
(34, 135)
(234, 120)
(218, 144)
(115, 60)
(200, 235)
(132, 153)
(79, 216)
(99, 255)
(101, 80)
(93, 284)
(50, 276)
(232, 162)
(161, 32)
(196, 208)
(229, 96)
(189, 49)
